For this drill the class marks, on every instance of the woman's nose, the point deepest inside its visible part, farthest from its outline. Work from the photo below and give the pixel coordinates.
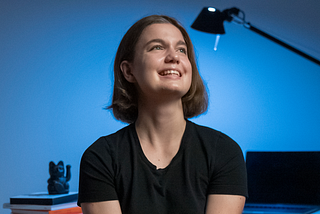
(172, 56)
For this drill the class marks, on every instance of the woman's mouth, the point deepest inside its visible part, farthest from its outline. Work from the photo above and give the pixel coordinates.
(170, 72)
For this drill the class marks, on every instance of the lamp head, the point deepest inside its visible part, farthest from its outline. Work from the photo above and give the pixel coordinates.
(210, 20)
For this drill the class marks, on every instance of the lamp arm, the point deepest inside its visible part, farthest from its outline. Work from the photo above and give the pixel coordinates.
(256, 30)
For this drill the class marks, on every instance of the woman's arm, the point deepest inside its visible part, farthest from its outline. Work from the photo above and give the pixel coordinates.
(105, 207)
(225, 204)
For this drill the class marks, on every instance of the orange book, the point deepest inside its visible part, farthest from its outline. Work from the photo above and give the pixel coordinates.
(71, 210)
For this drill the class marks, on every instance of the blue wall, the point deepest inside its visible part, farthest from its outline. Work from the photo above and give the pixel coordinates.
(56, 77)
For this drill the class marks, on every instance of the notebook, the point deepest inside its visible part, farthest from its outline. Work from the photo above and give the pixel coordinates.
(283, 182)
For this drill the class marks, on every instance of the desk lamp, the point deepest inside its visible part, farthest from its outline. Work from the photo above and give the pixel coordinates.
(210, 20)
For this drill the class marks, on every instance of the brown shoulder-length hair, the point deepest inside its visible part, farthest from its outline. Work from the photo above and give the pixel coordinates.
(125, 98)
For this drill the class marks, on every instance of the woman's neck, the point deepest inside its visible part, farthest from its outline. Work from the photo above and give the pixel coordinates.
(160, 123)
(160, 127)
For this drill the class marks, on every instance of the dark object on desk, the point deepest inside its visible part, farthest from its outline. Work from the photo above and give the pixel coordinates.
(43, 201)
(57, 183)
(283, 182)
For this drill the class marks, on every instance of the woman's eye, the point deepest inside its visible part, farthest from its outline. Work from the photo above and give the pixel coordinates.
(157, 47)
(183, 50)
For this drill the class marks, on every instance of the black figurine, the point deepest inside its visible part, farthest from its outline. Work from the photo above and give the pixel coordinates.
(57, 183)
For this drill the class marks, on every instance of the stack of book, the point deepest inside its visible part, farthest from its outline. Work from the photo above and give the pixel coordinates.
(43, 203)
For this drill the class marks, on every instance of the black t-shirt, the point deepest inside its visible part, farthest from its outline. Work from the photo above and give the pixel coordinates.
(115, 168)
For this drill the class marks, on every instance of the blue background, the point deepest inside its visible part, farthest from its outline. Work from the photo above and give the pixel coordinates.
(56, 77)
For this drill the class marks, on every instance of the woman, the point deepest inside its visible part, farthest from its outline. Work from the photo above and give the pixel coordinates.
(161, 162)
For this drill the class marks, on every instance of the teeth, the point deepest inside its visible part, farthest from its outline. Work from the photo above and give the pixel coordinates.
(170, 72)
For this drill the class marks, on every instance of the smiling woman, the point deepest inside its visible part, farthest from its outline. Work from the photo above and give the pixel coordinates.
(125, 100)
(161, 69)
(161, 162)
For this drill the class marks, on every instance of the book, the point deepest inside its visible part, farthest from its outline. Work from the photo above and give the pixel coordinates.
(40, 207)
(43, 198)
(72, 210)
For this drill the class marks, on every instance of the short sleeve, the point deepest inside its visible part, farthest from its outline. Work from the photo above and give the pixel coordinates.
(229, 174)
(96, 180)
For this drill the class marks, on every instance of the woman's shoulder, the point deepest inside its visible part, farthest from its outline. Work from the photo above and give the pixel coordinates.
(210, 135)
(218, 144)
(113, 140)
(202, 130)
(121, 133)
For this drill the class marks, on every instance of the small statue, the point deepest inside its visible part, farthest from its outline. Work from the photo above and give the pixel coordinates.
(57, 183)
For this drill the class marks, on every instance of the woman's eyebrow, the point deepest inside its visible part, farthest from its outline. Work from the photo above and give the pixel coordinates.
(154, 41)
(180, 42)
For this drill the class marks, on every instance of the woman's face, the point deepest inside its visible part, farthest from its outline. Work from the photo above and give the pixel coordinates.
(161, 66)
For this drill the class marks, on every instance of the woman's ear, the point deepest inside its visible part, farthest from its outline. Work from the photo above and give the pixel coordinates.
(125, 67)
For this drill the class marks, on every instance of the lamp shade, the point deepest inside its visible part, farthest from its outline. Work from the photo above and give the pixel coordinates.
(210, 20)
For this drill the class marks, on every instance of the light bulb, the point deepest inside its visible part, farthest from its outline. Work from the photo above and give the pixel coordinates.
(211, 9)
